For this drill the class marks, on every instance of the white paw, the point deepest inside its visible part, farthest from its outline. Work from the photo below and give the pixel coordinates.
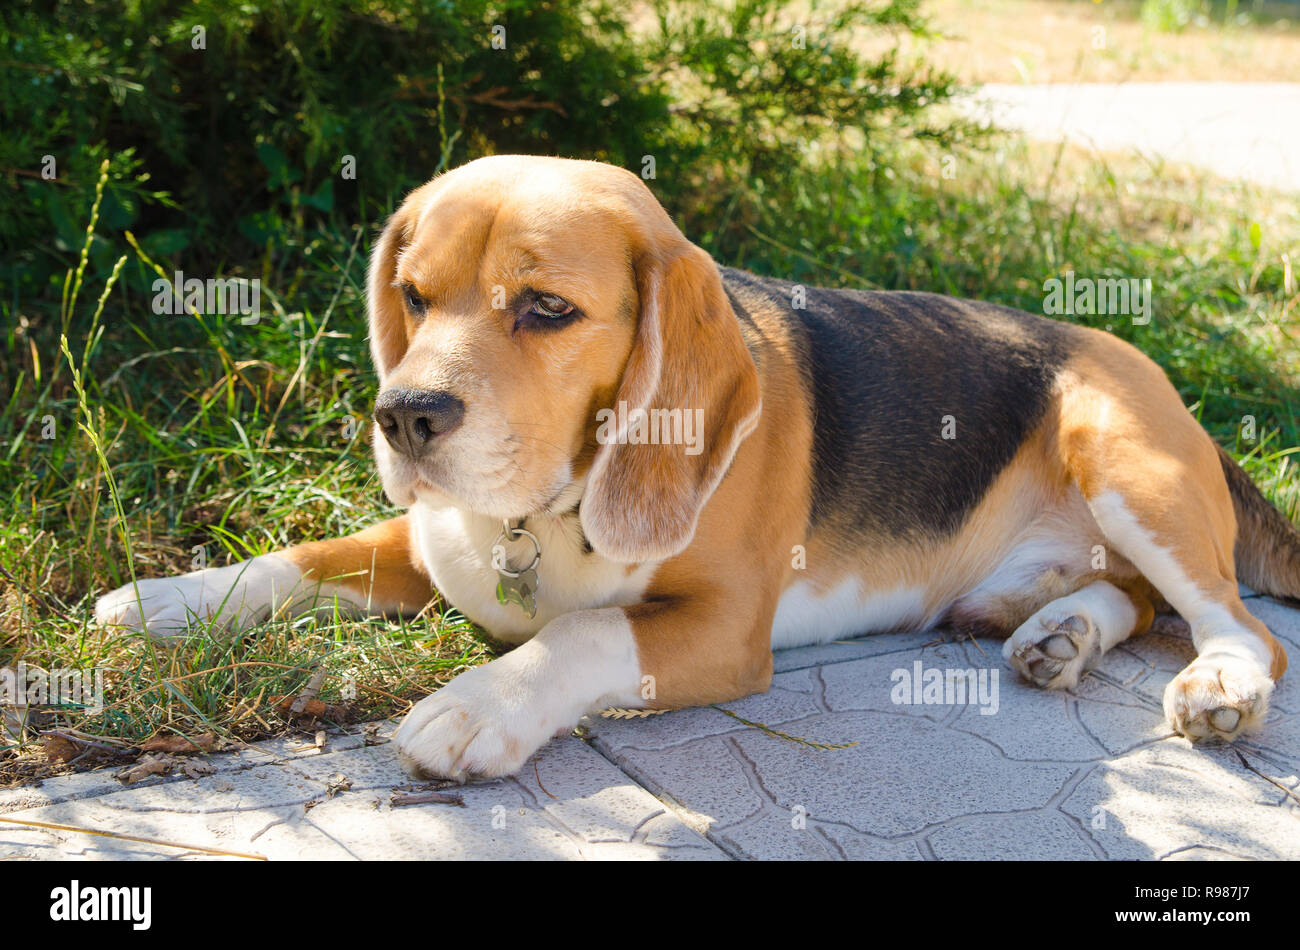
(1051, 651)
(228, 598)
(489, 720)
(483, 724)
(1218, 696)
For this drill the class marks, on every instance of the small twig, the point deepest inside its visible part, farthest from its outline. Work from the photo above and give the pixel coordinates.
(424, 798)
(309, 692)
(26, 173)
(318, 743)
(539, 779)
(121, 743)
(122, 837)
(493, 97)
(1267, 778)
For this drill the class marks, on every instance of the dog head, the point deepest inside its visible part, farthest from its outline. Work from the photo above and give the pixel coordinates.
(532, 320)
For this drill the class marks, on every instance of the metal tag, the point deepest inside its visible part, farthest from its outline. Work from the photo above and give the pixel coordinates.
(520, 590)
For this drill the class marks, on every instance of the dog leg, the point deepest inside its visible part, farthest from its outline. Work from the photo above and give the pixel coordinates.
(488, 720)
(1057, 644)
(1153, 481)
(370, 572)
(1223, 692)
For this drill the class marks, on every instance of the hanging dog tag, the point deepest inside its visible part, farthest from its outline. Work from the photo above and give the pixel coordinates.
(520, 590)
(517, 587)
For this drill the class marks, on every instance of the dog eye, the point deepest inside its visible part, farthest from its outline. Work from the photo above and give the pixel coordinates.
(414, 302)
(551, 307)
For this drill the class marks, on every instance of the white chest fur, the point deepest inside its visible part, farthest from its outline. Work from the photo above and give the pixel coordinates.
(456, 548)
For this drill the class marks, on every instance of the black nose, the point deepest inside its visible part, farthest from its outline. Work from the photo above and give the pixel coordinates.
(411, 419)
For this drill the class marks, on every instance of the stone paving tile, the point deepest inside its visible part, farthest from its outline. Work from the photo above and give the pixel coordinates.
(1277, 744)
(1167, 647)
(284, 809)
(1029, 723)
(1165, 798)
(852, 845)
(1042, 727)
(793, 695)
(1123, 666)
(1117, 718)
(1282, 620)
(870, 683)
(1036, 836)
(897, 780)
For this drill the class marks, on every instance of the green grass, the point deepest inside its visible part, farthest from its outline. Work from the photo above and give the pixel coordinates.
(206, 435)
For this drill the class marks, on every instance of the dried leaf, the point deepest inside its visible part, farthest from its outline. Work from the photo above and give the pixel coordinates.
(338, 783)
(60, 749)
(180, 745)
(193, 769)
(290, 706)
(149, 765)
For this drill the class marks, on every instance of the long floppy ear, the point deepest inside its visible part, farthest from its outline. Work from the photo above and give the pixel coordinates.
(642, 501)
(384, 301)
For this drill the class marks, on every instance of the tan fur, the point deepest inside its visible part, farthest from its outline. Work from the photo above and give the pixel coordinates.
(378, 563)
(530, 424)
(729, 580)
(642, 502)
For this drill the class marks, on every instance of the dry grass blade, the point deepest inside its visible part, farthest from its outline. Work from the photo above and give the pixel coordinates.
(617, 712)
(785, 735)
(121, 837)
(427, 798)
(538, 775)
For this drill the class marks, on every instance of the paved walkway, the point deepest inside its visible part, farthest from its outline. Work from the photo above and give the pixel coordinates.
(1088, 774)
(1249, 131)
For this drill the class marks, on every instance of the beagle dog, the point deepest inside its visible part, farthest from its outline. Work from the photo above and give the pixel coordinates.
(648, 472)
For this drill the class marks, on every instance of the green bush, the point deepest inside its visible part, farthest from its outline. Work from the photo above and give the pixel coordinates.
(248, 134)
(229, 157)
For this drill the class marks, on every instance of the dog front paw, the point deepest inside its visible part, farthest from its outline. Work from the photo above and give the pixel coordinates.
(480, 725)
(226, 599)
